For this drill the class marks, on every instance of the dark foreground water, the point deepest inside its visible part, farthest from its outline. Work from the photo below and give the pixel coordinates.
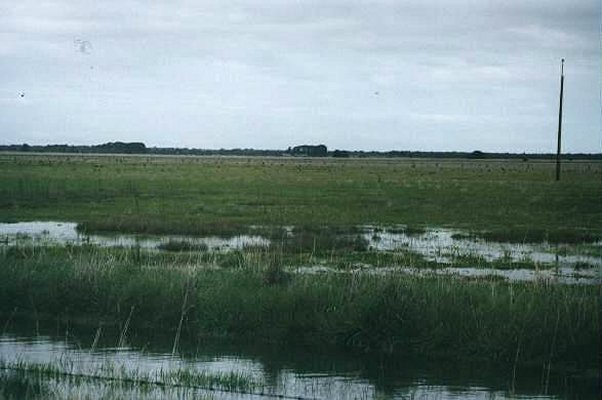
(295, 371)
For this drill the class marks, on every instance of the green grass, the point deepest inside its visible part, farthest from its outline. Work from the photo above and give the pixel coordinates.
(408, 230)
(256, 300)
(511, 200)
(504, 262)
(182, 245)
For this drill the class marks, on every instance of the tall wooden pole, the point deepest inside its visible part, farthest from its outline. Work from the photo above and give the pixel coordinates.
(560, 121)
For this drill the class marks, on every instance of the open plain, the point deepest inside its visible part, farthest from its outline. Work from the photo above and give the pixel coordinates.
(463, 260)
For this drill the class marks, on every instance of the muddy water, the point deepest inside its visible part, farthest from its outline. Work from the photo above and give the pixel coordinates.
(284, 371)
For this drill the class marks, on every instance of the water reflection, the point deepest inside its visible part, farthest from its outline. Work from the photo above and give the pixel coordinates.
(284, 369)
(62, 233)
(442, 246)
(561, 275)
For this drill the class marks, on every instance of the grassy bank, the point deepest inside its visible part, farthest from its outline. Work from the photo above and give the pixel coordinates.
(398, 314)
(512, 200)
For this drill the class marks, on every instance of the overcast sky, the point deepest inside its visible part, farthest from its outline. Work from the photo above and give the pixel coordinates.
(372, 75)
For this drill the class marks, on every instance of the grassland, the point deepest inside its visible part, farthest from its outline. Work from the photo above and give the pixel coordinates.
(511, 200)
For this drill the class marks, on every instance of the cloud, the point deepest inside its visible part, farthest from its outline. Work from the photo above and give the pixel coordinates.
(273, 73)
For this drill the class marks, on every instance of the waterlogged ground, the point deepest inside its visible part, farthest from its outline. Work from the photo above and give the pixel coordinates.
(446, 245)
(562, 275)
(62, 233)
(295, 372)
(195, 195)
(449, 252)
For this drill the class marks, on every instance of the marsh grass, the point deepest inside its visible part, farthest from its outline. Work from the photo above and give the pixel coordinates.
(584, 249)
(534, 235)
(377, 259)
(435, 317)
(121, 377)
(464, 236)
(413, 230)
(322, 239)
(583, 265)
(18, 386)
(274, 273)
(505, 262)
(158, 225)
(182, 245)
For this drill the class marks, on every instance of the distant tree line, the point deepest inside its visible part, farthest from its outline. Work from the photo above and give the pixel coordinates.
(302, 151)
(107, 148)
(214, 152)
(308, 150)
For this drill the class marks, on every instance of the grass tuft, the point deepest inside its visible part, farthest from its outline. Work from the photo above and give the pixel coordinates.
(182, 245)
(436, 317)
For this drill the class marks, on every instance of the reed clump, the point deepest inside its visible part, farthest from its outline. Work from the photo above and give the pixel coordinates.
(30, 375)
(182, 245)
(435, 317)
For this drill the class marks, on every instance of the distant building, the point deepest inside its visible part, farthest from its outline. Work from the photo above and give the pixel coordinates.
(309, 150)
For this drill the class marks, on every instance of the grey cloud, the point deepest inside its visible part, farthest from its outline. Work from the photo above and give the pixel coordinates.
(453, 74)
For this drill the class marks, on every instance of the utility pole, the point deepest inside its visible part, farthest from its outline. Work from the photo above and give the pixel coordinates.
(560, 121)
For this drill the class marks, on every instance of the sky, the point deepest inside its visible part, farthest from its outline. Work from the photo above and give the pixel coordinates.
(431, 75)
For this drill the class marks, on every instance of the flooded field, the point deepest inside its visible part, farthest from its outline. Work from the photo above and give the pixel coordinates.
(445, 245)
(293, 372)
(563, 275)
(307, 278)
(66, 233)
(452, 252)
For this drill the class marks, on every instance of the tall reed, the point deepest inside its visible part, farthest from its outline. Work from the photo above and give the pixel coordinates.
(436, 317)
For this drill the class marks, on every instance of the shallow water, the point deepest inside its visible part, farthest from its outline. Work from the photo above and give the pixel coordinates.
(292, 371)
(561, 275)
(62, 233)
(442, 246)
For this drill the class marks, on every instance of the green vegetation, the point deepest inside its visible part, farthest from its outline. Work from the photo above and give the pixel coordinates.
(182, 245)
(26, 379)
(530, 323)
(504, 262)
(560, 235)
(510, 200)
(21, 386)
(312, 211)
(408, 230)
(322, 239)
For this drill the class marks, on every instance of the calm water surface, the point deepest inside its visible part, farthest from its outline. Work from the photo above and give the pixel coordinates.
(283, 370)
